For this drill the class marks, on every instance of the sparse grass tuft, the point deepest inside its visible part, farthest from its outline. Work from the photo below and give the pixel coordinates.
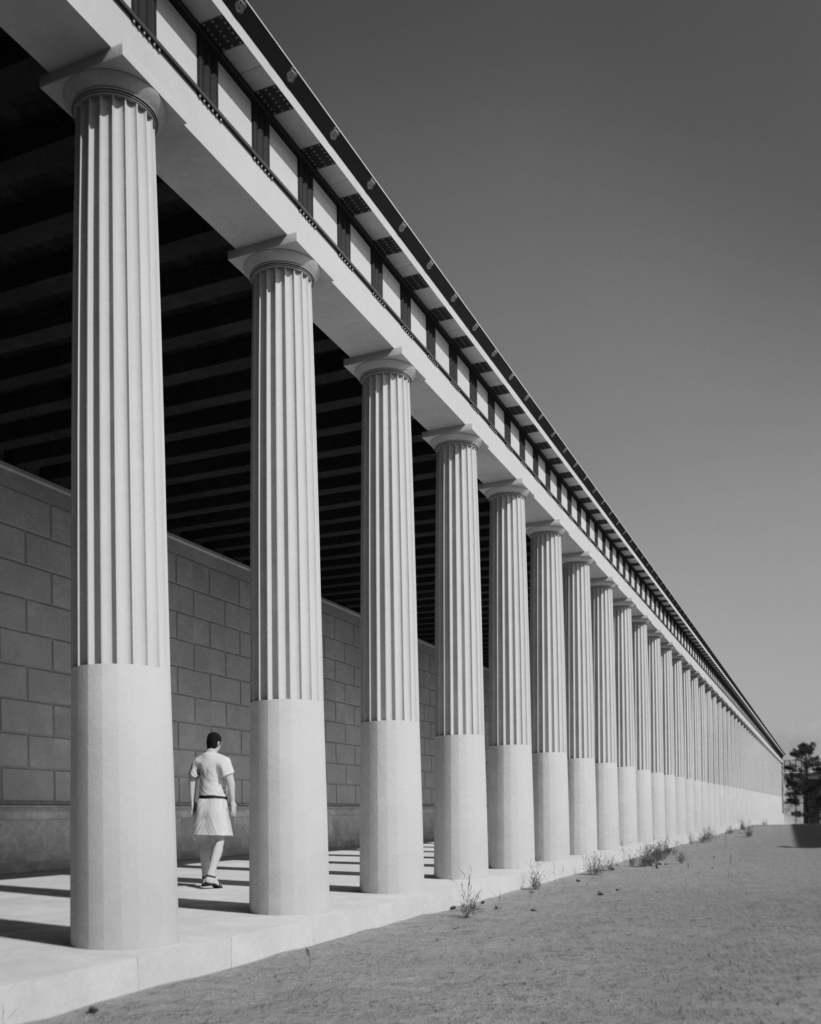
(595, 863)
(748, 830)
(706, 835)
(469, 898)
(534, 877)
(651, 854)
(680, 855)
(692, 838)
(728, 831)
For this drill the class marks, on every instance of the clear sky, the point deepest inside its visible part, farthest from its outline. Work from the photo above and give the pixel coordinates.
(627, 196)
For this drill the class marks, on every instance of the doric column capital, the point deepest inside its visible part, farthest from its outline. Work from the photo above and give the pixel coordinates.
(459, 433)
(512, 487)
(389, 360)
(603, 582)
(275, 252)
(639, 619)
(105, 81)
(544, 526)
(576, 558)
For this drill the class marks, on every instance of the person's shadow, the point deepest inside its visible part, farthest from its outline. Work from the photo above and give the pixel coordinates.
(807, 835)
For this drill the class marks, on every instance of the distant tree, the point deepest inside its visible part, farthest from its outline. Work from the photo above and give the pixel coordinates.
(802, 777)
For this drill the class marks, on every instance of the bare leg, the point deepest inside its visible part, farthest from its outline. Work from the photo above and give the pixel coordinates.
(206, 851)
(216, 854)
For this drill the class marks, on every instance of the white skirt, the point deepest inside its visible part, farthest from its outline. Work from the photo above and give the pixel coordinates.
(211, 818)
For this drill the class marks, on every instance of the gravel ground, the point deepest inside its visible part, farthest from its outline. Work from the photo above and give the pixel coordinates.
(730, 934)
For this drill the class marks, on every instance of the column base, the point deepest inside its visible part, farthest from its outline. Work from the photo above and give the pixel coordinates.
(288, 842)
(511, 841)
(460, 807)
(392, 860)
(628, 806)
(582, 790)
(123, 819)
(607, 805)
(644, 806)
(551, 800)
(670, 806)
(659, 805)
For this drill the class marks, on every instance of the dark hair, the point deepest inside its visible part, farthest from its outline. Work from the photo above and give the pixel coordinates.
(212, 739)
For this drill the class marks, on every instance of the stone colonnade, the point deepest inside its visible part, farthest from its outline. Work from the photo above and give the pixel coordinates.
(599, 734)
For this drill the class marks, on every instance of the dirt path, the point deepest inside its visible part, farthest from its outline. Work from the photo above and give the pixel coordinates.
(732, 934)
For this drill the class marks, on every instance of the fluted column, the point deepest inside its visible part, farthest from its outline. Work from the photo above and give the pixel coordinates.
(680, 744)
(698, 784)
(288, 842)
(604, 682)
(581, 708)
(689, 782)
(460, 806)
(548, 693)
(669, 698)
(123, 828)
(391, 786)
(644, 764)
(657, 737)
(511, 836)
(626, 721)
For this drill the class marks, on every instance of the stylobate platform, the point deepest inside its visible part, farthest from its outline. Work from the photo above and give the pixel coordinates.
(41, 975)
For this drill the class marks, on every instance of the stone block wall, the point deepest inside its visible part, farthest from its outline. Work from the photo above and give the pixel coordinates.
(209, 598)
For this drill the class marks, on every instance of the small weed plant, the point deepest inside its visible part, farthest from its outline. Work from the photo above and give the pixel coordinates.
(469, 898)
(706, 835)
(692, 838)
(748, 830)
(596, 863)
(534, 877)
(650, 855)
(680, 855)
(728, 831)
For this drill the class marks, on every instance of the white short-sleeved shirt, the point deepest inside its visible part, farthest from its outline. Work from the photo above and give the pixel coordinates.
(211, 768)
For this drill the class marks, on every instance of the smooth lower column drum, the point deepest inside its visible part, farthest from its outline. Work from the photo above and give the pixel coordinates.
(288, 814)
(548, 692)
(625, 721)
(391, 787)
(644, 787)
(660, 825)
(581, 709)
(604, 684)
(698, 784)
(460, 804)
(511, 839)
(123, 830)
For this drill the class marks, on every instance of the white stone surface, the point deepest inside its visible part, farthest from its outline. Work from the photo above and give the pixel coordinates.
(604, 681)
(548, 693)
(669, 732)
(288, 822)
(625, 721)
(644, 786)
(123, 835)
(460, 805)
(511, 839)
(581, 714)
(391, 796)
(660, 825)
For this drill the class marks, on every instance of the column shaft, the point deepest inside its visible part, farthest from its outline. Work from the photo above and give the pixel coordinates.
(289, 820)
(604, 677)
(510, 755)
(660, 825)
(644, 764)
(581, 712)
(549, 694)
(460, 806)
(123, 836)
(391, 794)
(680, 744)
(669, 698)
(626, 722)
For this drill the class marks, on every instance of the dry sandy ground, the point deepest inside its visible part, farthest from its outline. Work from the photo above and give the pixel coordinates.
(732, 934)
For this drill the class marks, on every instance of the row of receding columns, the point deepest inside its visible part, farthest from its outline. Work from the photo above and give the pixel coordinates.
(597, 735)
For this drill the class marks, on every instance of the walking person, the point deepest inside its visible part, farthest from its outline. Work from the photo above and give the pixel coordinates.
(210, 773)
